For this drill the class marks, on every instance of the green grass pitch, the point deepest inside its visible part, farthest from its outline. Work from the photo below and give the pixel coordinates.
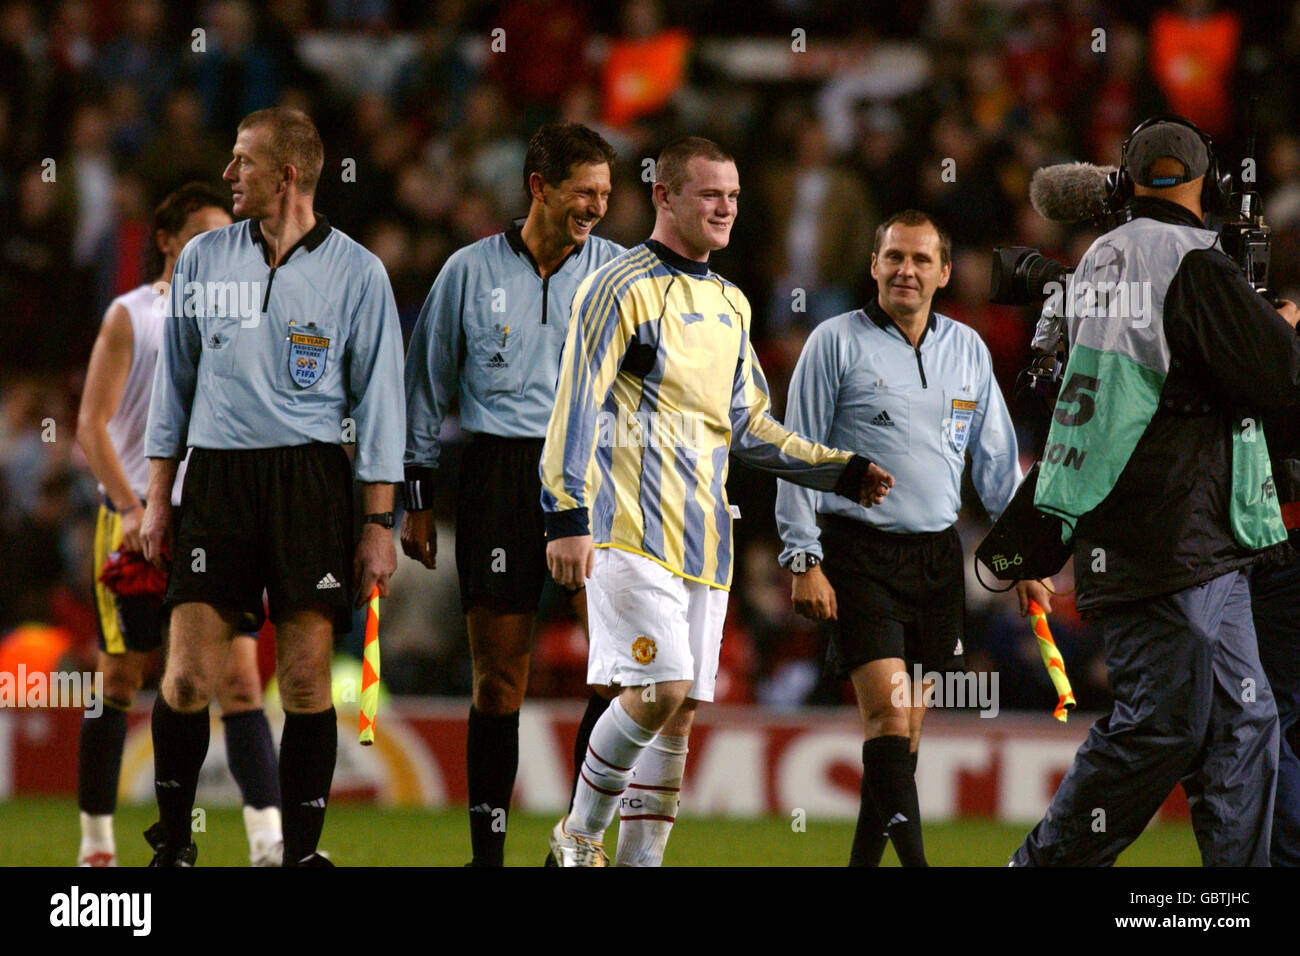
(44, 832)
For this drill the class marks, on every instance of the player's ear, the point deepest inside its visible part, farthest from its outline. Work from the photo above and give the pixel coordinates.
(160, 238)
(873, 266)
(659, 195)
(945, 274)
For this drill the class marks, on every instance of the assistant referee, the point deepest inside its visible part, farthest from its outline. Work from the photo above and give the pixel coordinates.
(913, 390)
(282, 342)
(490, 336)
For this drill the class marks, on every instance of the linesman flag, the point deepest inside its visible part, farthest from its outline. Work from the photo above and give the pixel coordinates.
(370, 671)
(1052, 660)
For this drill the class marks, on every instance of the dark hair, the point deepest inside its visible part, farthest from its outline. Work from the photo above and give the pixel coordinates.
(914, 217)
(556, 148)
(177, 207)
(671, 167)
(294, 141)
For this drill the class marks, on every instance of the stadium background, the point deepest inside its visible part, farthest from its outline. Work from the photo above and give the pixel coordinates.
(839, 113)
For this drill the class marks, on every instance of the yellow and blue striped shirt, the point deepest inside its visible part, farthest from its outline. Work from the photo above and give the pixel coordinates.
(658, 384)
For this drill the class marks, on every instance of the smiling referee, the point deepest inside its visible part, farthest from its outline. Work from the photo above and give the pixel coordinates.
(490, 336)
(282, 340)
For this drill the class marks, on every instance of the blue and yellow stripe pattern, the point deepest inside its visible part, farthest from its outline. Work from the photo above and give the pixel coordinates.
(658, 385)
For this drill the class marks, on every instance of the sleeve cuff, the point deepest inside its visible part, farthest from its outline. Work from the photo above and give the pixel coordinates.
(851, 478)
(567, 524)
(417, 489)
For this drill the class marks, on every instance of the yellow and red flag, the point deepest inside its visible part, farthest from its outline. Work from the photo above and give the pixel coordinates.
(370, 671)
(1052, 660)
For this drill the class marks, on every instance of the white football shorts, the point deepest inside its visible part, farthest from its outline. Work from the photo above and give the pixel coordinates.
(648, 625)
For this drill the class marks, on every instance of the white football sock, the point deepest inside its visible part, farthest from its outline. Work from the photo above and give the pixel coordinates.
(616, 743)
(96, 835)
(648, 809)
(265, 838)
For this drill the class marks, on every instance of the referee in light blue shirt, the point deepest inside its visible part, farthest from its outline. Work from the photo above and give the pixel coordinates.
(490, 336)
(914, 391)
(282, 343)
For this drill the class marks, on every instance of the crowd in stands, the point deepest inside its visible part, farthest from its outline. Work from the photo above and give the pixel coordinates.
(838, 113)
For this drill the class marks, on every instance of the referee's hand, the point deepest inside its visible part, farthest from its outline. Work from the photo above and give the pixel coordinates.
(875, 485)
(813, 596)
(420, 537)
(570, 560)
(375, 561)
(156, 533)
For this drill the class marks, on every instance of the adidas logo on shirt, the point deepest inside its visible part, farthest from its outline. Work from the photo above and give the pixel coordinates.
(318, 803)
(327, 582)
(496, 361)
(883, 419)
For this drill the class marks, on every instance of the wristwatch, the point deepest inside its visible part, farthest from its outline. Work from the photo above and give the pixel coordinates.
(384, 519)
(801, 561)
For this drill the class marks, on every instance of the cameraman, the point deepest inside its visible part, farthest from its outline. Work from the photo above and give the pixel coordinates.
(1156, 459)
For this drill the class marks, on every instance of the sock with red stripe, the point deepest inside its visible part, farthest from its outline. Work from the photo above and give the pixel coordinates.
(649, 807)
(617, 741)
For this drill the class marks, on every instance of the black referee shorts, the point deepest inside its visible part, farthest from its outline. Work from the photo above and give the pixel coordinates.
(896, 595)
(500, 530)
(278, 519)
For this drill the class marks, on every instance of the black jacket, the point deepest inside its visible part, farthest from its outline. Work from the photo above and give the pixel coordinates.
(1165, 526)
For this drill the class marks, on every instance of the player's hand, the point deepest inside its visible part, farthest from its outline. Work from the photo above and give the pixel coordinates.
(156, 533)
(1037, 591)
(570, 560)
(1289, 312)
(875, 485)
(132, 521)
(813, 596)
(420, 537)
(375, 561)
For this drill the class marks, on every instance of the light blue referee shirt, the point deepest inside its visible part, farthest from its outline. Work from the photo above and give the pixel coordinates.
(261, 357)
(860, 385)
(491, 332)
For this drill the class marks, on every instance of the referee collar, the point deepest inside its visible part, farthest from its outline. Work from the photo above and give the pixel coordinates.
(883, 319)
(312, 238)
(515, 238)
(678, 262)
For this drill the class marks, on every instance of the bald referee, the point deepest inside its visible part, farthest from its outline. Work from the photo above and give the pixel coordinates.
(282, 342)
(490, 336)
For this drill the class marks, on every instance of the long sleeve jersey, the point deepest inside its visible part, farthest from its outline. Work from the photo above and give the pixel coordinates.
(659, 384)
(860, 384)
(260, 357)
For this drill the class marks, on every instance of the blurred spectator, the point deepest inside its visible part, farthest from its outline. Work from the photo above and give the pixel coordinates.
(645, 67)
(184, 149)
(140, 58)
(545, 55)
(821, 226)
(236, 74)
(1193, 58)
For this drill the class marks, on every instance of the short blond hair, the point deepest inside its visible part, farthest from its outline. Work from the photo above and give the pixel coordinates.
(294, 141)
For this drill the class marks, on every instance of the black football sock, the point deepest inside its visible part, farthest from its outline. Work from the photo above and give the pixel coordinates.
(869, 837)
(180, 743)
(890, 763)
(492, 760)
(596, 705)
(99, 758)
(308, 748)
(250, 751)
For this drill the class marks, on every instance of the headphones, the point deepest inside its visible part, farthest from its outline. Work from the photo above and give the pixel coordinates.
(1215, 190)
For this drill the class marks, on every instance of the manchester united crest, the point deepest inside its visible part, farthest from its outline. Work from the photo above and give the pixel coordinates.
(644, 650)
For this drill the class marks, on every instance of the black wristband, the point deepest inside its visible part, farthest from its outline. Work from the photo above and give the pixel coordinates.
(417, 490)
(850, 483)
(566, 524)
